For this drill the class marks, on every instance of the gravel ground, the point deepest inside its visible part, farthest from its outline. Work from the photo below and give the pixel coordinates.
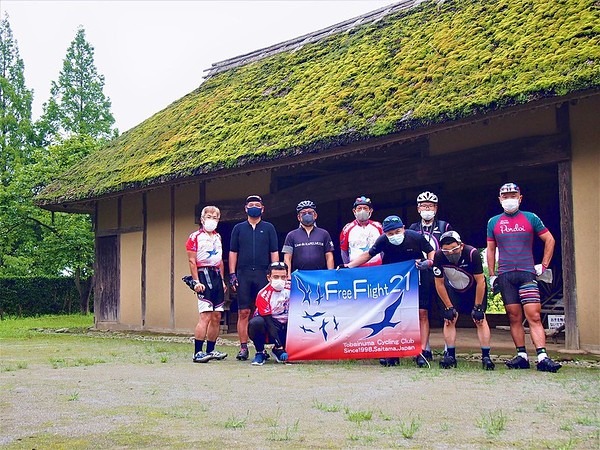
(65, 391)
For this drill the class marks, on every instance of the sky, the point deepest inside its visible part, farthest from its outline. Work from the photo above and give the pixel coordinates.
(152, 53)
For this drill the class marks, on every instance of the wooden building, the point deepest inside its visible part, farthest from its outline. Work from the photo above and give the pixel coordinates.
(456, 97)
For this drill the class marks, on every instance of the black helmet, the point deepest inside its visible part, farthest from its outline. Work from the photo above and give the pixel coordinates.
(362, 201)
(306, 204)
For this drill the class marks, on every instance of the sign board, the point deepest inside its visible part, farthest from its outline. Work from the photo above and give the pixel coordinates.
(555, 321)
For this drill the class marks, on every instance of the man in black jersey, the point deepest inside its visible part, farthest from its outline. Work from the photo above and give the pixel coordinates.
(461, 285)
(397, 245)
(253, 247)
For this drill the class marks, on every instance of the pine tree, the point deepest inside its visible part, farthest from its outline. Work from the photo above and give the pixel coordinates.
(16, 131)
(78, 106)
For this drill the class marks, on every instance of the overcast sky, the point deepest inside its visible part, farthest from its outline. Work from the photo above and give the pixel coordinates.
(153, 52)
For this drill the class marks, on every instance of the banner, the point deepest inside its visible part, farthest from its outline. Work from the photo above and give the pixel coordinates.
(370, 312)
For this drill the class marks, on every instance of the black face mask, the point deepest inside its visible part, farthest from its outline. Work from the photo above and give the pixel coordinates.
(454, 258)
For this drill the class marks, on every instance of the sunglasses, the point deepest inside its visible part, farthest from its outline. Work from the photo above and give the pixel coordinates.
(278, 265)
(451, 250)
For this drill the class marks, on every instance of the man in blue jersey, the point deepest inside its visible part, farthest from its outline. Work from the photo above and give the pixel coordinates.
(397, 245)
(512, 233)
(253, 247)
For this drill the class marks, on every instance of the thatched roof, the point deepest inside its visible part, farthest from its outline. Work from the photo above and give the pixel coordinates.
(408, 69)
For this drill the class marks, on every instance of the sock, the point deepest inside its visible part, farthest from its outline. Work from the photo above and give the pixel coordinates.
(210, 346)
(428, 347)
(522, 352)
(198, 346)
(244, 345)
(541, 353)
(451, 351)
(485, 351)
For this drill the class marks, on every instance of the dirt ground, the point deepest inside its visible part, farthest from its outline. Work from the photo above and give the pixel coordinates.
(97, 391)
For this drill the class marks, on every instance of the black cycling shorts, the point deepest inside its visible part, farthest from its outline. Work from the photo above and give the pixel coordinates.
(249, 283)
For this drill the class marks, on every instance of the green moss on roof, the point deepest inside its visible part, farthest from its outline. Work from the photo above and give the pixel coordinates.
(427, 65)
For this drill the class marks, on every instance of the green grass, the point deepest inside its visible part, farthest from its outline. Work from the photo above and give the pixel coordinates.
(20, 327)
(493, 423)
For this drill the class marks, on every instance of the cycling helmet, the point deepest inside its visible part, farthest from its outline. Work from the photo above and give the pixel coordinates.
(362, 201)
(510, 187)
(427, 197)
(449, 237)
(306, 204)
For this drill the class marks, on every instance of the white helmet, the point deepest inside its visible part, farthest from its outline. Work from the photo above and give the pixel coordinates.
(427, 197)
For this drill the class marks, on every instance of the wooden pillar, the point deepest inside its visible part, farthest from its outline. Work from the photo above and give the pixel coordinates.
(565, 199)
(565, 194)
(172, 287)
(144, 249)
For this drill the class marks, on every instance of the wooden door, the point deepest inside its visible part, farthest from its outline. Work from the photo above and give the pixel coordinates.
(107, 279)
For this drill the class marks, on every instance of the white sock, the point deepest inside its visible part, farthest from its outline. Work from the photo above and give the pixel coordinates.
(542, 356)
(523, 355)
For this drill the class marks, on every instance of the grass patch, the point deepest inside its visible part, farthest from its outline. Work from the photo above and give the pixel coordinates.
(234, 422)
(20, 327)
(408, 429)
(358, 416)
(334, 407)
(493, 423)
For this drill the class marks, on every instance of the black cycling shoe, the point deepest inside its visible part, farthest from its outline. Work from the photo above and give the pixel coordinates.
(421, 361)
(547, 365)
(487, 363)
(428, 355)
(389, 362)
(448, 362)
(518, 362)
(243, 354)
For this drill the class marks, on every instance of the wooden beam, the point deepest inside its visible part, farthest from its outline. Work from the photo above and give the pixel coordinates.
(490, 159)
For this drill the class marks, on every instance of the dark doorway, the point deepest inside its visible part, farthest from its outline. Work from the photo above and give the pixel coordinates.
(107, 279)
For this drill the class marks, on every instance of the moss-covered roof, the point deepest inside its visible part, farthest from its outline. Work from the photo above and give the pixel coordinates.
(430, 64)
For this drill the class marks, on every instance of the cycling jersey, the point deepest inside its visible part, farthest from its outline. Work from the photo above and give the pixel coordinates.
(308, 251)
(513, 234)
(208, 248)
(357, 239)
(459, 276)
(432, 232)
(413, 247)
(274, 303)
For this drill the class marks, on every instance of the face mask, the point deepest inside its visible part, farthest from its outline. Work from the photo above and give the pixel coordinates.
(254, 211)
(454, 258)
(427, 215)
(307, 219)
(210, 224)
(362, 216)
(396, 239)
(510, 205)
(278, 285)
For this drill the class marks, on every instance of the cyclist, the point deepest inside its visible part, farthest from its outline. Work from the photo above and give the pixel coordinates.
(397, 245)
(461, 285)
(205, 258)
(360, 234)
(512, 233)
(253, 246)
(432, 229)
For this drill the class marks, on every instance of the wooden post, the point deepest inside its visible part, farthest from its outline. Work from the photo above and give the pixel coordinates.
(568, 255)
(144, 249)
(172, 287)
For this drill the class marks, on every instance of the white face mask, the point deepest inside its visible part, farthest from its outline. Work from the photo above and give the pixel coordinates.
(278, 285)
(427, 215)
(510, 205)
(396, 239)
(210, 224)
(362, 216)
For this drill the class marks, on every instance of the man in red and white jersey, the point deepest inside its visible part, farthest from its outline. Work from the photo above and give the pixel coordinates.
(271, 315)
(205, 258)
(359, 235)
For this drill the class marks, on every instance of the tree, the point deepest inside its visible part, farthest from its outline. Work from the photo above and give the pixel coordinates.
(16, 131)
(78, 105)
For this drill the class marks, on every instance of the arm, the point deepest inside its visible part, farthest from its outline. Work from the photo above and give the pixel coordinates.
(287, 259)
(549, 243)
(232, 261)
(329, 260)
(345, 256)
(479, 288)
(360, 260)
(490, 256)
(440, 287)
(274, 256)
(199, 287)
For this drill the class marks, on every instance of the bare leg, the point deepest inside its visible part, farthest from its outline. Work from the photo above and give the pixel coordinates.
(515, 317)
(242, 324)
(532, 313)
(483, 333)
(202, 326)
(450, 332)
(213, 326)
(424, 327)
